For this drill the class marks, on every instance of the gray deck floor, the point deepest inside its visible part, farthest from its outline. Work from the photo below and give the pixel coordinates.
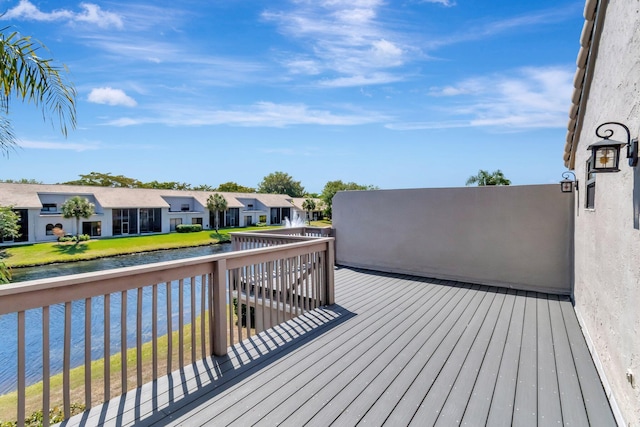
(395, 350)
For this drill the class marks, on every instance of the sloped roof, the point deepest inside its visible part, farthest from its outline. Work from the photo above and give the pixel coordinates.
(589, 41)
(26, 196)
(15, 195)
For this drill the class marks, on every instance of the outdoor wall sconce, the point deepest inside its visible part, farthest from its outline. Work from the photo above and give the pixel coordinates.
(566, 185)
(605, 154)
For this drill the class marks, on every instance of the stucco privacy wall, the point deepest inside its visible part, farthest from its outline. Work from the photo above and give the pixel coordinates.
(516, 236)
(607, 238)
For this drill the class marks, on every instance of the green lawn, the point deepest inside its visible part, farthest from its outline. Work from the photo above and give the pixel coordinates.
(47, 253)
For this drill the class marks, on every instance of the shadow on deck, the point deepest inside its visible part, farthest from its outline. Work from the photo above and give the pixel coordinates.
(397, 350)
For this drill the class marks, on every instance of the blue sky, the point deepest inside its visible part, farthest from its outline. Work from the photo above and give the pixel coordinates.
(398, 94)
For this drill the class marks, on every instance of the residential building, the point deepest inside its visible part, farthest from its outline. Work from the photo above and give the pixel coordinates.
(134, 211)
(606, 281)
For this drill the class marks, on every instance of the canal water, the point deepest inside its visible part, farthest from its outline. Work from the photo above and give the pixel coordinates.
(33, 318)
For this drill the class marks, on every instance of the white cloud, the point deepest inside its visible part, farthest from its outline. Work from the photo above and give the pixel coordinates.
(533, 97)
(261, 114)
(372, 79)
(90, 13)
(48, 145)
(447, 3)
(345, 38)
(110, 96)
(493, 28)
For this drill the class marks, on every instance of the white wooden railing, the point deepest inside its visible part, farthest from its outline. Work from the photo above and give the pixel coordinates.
(272, 283)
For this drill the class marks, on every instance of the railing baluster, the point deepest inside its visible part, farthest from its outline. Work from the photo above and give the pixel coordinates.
(123, 341)
(308, 269)
(241, 285)
(154, 330)
(46, 367)
(263, 307)
(87, 353)
(232, 282)
(313, 271)
(271, 293)
(139, 338)
(21, 368)
(107, 347)
(169, 329)
(290, 285)
(203, 317)
(247, 294)
(181, 322)
(218, 308)
(280, 299)
(318, 267)
(66, 362)
(193, 319)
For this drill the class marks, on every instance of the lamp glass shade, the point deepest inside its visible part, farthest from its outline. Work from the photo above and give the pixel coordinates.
(605, 158)
(566, 186)
(605, 155)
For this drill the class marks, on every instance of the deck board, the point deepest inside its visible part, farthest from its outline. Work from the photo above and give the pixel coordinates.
(394, 350)
(549, 411)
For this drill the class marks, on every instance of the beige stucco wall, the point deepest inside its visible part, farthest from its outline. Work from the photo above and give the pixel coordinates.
(607, 239)
(516, 236)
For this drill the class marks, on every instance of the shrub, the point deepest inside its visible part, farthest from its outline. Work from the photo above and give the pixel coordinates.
(261, 224)
(5, 273)
(69, 238)
(243, 317)
(56, 415)
(189, 228)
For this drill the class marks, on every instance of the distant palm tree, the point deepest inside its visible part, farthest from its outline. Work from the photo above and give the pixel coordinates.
(216, 203)
(309, 205)
(483, 178)
(77, 207)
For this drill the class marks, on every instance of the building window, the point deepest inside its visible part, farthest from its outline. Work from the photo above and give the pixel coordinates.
(590, 202)
(173, 223)
(286, 213)
(150, 220)
(49, 230)
(185, 207)
(124, 221)
(49, 207)
(232, 217)
(275, 216)
(93, 228)
(196, 221)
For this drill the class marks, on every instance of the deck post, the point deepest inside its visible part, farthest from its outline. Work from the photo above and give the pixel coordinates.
(218, 312)
(330, 290)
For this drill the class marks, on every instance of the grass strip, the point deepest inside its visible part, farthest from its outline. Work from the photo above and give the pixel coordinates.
(33, 393)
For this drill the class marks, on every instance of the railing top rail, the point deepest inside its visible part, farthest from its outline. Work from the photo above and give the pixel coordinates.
(278, 232)
(84, 285)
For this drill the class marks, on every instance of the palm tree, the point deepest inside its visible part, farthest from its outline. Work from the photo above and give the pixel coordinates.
(216, 203)
(31, 78)
(309, 205)
(483, 178)
(78, 207)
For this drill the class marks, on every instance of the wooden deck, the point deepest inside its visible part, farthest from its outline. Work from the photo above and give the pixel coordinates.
(394, 350)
